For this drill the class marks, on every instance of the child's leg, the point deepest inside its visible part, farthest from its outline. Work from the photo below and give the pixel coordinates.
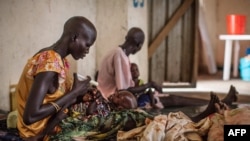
(174, 100)
(211, 108)
(231, 96)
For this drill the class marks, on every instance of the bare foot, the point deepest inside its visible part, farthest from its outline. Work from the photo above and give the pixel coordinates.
(210, 108)
(221, 107)
(231, 97)
(157, 104)
(211, 105)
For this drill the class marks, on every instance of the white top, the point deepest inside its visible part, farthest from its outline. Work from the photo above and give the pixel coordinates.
(234, 37)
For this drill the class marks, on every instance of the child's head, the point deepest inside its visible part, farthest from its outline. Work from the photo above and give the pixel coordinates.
(123, 100)
(134, 71)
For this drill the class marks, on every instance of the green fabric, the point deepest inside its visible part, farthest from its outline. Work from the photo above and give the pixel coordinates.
(91, 128)
(141, 82)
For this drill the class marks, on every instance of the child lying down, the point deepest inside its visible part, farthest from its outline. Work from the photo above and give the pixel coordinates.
(116, 121)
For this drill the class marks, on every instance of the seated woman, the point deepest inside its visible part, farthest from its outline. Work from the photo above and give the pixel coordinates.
(114, 73)
(38, 104)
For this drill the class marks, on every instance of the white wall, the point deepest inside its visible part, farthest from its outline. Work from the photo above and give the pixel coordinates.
(137, 16)
(112, 26)
(114, 19)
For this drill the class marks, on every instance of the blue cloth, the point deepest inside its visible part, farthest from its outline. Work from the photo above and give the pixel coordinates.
(143, 99)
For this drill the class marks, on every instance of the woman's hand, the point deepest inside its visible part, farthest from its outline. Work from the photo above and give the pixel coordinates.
(80, 87)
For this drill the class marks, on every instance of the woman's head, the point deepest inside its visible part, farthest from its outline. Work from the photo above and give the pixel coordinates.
(123, 100)
(81, 35)
(134, 40)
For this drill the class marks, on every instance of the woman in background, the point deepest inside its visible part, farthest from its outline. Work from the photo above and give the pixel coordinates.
(115, 75)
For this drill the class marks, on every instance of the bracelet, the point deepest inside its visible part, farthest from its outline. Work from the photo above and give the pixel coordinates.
(56, 106)
(66, 111)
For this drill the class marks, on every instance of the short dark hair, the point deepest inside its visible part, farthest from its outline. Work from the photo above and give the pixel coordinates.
(136, 35)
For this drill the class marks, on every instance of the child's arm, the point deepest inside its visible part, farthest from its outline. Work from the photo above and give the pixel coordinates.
(142, 88)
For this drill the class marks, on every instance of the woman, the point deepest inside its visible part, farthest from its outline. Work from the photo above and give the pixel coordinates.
(114, 74)
(45, 88)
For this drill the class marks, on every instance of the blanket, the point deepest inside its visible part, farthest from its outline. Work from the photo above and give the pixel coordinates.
(175, 126)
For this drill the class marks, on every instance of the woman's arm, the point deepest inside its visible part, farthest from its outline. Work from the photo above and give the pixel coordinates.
(142, 88)
(35, 110)
(139, 89)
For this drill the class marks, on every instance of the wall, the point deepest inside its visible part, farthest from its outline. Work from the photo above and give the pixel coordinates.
(112, 26)
(137, 16)
(226, 7)
(27, 26)
(114, 19)
(210, 9)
